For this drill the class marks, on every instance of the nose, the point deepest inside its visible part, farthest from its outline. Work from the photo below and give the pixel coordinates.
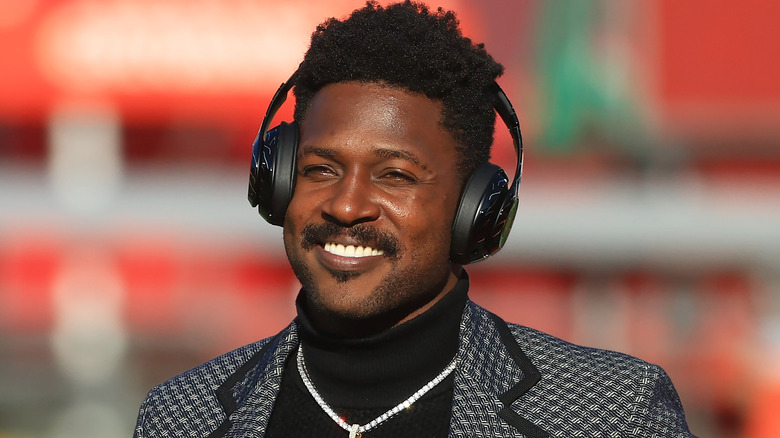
(351, 202)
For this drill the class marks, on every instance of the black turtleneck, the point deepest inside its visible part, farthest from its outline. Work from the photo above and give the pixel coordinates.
(363, 378)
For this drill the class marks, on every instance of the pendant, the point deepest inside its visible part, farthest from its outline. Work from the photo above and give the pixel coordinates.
(353, 433)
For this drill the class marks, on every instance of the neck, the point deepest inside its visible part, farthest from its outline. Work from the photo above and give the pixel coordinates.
(385, 368)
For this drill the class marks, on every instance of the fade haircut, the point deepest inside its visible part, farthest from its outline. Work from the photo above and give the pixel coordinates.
(408, 46)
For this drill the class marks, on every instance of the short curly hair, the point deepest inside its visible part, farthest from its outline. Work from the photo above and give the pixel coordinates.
(407, 45)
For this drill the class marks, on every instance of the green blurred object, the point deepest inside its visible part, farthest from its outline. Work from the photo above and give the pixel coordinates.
(584, 77)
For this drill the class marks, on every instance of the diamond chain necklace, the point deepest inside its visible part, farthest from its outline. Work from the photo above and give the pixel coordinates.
(356, 430)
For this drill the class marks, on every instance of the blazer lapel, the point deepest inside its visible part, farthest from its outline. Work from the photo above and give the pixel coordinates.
(248, 395)
(492, 374)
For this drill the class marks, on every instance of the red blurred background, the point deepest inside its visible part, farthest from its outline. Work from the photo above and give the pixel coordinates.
(128, 253)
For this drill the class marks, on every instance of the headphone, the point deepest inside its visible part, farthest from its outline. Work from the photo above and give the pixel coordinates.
(487, 206)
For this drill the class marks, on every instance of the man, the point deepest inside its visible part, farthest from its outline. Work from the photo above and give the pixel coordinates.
(394, 118)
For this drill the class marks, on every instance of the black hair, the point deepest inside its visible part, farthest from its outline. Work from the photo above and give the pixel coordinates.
(409, 46)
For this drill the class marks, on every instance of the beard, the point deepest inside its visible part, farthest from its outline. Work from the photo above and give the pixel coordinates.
(399, 292)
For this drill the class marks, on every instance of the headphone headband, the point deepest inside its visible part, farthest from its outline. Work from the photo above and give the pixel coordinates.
(508, 115)
(278, 100)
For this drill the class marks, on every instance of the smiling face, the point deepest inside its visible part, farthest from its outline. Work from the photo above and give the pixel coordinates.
(368, 229)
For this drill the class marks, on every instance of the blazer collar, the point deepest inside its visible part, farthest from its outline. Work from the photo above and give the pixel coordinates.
(493, 373)
(247, 396)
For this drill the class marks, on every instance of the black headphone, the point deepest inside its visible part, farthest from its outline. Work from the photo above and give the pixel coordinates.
(487, 203)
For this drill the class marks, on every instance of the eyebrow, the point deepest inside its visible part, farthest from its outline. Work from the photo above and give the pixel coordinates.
(320, 152)
(380, 152)
(401, 154)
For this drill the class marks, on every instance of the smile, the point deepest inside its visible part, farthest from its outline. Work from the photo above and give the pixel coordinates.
(351, 250)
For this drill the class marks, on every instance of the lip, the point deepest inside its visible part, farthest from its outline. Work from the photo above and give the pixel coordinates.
(341, 263)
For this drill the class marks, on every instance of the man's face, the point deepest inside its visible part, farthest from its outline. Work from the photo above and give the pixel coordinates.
(368, 229)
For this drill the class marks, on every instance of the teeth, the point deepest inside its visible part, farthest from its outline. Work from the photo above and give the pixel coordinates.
(351, 250)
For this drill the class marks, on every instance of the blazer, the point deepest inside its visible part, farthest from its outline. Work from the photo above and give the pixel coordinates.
(511, 381)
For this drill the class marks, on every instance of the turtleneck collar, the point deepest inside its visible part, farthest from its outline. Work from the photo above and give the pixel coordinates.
(384, 369)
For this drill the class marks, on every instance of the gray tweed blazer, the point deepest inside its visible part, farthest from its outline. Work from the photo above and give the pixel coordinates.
(511, 381)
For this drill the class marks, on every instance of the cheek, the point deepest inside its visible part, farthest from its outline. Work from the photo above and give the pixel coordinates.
(430, 251)
(300, 208)
(433, 208)
(290, 221)
(294, 221)
(428, 224)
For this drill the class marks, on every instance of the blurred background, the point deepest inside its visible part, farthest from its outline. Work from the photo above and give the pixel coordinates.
(649, 219)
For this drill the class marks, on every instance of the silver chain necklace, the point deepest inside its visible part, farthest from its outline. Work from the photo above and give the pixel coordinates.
(356, 430)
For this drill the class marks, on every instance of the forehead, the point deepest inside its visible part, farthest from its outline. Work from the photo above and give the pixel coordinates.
(356, 114)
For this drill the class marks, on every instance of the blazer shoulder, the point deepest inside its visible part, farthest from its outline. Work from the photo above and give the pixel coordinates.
(563, 361)
(545, 348)
(213, 373)
(190, 397)
(605, 384)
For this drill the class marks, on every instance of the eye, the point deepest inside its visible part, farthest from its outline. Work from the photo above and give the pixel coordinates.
(397, 176)
(317, 171)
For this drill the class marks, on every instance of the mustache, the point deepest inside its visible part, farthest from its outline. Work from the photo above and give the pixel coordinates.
(365, 235)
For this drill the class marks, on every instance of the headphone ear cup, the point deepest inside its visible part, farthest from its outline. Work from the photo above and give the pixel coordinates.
(272, 176)
(480, 220)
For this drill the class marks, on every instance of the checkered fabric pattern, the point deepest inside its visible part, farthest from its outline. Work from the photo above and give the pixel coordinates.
(511, 381)
(582, 392)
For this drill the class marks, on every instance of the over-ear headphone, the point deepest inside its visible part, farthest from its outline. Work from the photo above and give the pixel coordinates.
(487, 207)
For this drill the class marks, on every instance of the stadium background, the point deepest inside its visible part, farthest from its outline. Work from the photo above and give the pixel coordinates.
(648, 220)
